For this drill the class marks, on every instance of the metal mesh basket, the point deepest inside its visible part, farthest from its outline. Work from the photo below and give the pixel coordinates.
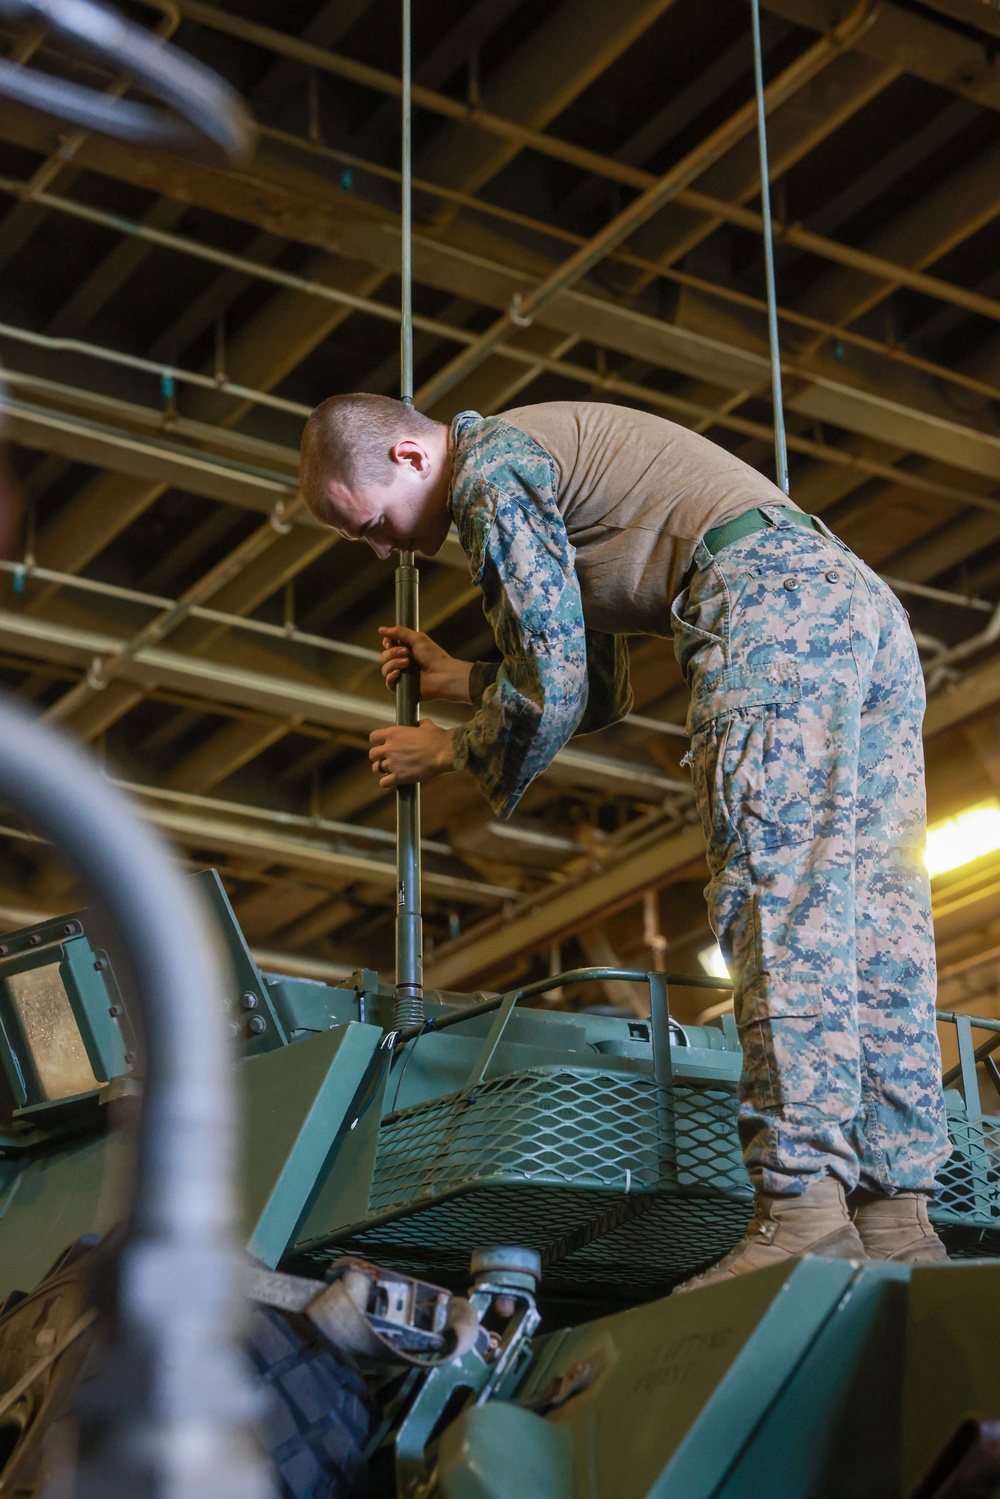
(620, 1188)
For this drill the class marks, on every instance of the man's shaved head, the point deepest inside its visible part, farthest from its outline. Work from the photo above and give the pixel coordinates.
(348, 439)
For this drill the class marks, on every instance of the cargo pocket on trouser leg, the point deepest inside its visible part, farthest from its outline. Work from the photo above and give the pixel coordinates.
(780, 1023)
(751, 778)
(784, 1050)
(748, 761)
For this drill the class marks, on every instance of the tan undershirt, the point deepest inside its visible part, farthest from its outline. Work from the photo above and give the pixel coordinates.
(637, 493)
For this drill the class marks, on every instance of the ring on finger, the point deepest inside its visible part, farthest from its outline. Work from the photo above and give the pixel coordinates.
(383, 767)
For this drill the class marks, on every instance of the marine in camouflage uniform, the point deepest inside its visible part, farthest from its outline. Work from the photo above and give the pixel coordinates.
(806, 755)
(583, 521)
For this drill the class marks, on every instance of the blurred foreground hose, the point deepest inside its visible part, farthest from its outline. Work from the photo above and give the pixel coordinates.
(202, 116)
(172, 1417)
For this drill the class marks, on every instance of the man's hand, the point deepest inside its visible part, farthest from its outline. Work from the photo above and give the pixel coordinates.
(401, 755)
(441, 676)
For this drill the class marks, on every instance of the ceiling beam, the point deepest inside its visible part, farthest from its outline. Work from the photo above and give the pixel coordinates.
(939, 53)
(539, 921)
(257, 581)
(978, 690)
(558, 59)
(286, 696)
(794, 129)
(328, 860)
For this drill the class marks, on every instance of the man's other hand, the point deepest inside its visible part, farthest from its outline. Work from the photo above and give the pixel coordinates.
(441, 676)
(401, 755)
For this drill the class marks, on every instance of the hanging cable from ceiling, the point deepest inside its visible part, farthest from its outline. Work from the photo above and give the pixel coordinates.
(780, 447)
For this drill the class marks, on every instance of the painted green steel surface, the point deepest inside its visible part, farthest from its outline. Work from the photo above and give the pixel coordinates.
(680, 1386)
(615, 1181)
(577, 1136)
(834, 1429)
(816, 1380)
(47, 1203)
(952, 1362)
(295, 1101)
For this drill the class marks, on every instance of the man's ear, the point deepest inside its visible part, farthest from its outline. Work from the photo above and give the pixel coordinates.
(410, 452)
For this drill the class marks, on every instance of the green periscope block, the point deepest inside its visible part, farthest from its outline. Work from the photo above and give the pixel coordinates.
(499, 1451)
(679, 1386)
(294, 1102)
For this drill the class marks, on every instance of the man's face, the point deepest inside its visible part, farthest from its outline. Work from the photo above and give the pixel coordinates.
(409, 513)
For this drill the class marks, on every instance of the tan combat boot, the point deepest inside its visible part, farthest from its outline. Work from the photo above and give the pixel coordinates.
(814, 1222)
(897, 1228)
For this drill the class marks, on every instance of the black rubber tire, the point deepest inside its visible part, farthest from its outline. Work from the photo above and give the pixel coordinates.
(320, 1414)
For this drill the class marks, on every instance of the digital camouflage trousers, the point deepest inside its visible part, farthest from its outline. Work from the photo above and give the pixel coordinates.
(806, 754)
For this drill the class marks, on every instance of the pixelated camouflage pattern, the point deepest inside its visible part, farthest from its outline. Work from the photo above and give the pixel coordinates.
(806, 708)
(557, 677)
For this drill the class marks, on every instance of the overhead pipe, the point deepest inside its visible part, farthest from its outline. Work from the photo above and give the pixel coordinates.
(324, 60)
(582, 373)
(308, 856)
(104, 671)
(217, 467)
(358, 830)
(937, 669)
(282, 697)
(638, 262)
(524, 308)
(26, 571)
(220, 383)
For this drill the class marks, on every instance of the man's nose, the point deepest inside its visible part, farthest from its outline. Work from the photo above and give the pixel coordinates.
(382, 549)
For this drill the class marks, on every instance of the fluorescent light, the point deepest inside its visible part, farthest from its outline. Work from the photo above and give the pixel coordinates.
(961, 839)
(713, 962)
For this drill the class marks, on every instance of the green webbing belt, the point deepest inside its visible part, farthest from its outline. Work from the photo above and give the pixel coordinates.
(746, 525)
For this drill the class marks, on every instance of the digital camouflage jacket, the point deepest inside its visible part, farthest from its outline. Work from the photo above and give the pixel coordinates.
(557, 678)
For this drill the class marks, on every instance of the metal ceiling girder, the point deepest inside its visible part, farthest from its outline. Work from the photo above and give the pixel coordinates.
(555, 62)
(824, 397)
(288, 327)
(810, 116)
(98, 516)
(105, 505)
(209, 830)
(978, 691)
(915, 42)
(285, 214)
(681, 175)
(339, 864)
(937, 52)
(282, 696)
(637, 335)
(83, 440)
(820, 14)
(794, 129)
(540, 920)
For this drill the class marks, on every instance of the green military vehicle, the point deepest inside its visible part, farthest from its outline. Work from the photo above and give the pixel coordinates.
(461, 1237)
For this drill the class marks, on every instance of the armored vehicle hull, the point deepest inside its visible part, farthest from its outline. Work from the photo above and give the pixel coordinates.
(604, 1148)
